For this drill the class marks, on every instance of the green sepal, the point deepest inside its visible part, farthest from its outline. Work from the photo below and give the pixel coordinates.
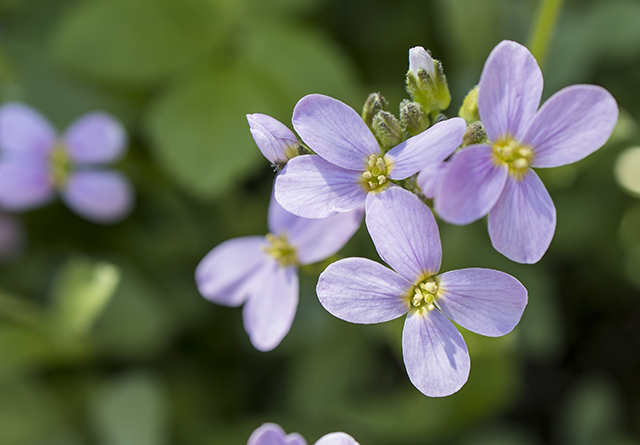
(387, 130)
(374, 104)
(469, 109)
(413, 118)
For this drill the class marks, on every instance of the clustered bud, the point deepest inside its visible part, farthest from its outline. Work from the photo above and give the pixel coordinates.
(426, 82)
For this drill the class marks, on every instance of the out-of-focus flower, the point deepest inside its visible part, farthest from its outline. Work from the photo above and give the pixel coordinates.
(274, 139)
(405, 233)
(272, 434)
(497, 179)
(262, 271)
(350, 167)
(12, 237)
(35, 163)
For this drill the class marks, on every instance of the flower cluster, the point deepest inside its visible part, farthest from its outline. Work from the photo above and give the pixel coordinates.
(399, 170)
(272, 434)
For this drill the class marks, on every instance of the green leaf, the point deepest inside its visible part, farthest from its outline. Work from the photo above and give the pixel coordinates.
(136, 42)
(131, 409)
(22, 349)
(81, 292)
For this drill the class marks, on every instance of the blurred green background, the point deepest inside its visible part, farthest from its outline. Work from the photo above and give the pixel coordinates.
(103, 336)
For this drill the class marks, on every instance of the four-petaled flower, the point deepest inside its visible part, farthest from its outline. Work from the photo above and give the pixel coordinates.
(497, 179)
(406, 236)
(262, 271)
(272, 434)
(35, 163)
(350, 166)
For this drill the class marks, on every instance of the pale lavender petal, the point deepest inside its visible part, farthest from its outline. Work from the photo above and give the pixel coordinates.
(12, 237)
(96, 138)
(359, 290)
(311, 187)
(420, 58)
(25, 131)
(485, 301)
(522, 223)
(572, 124)
(225, 274)
(429, 147)
(335, 131)
(269, 311)
(272, 434)
(430, 178)
(336, 439)
(472, 186)
(279, 219)
(510, 91)
(317, 239)
(24, 183)
(405, 234)
(104, 196)
(273, 138)
(435, 354)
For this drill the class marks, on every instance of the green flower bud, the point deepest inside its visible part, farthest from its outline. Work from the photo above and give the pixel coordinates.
(475, 135)
(387, 129)
(374, 103)
(426, 82)
(413, 118)
(469, 109)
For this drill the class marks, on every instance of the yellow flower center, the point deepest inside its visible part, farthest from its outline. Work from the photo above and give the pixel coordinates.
(424, 294)
(281, 250)
(516, 155)
(374, 177)
(60, 165)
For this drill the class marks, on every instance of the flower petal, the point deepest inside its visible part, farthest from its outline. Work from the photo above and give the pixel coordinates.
(359, 290)
(311, 187)
(24, 183)
(431, 177)
(317, 239)
(25, 131)
(435, 354)
(279, 219)
(96, 138)
(335, 131)
(269, 311)
(336, 439)
(102, 196)
(485, 301)
(225, 274)
(429, 147)
(272, 137)
(471, 187)
(510, 90)
(405, 234)
(272, 434)
(572, 124)
(522, 223)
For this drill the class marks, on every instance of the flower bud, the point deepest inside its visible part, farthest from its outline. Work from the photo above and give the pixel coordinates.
(475, 135)
(413, 118)
(469, 109)
(374, 103)
(426, 82)
(276, 142)
(387, 129)
(419, 59)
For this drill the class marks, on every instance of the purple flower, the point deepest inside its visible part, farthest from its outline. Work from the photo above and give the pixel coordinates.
(276, 142)
(35, 163)
(12, 237)
(497, 179)
(405, 234)
(272, 434)
(261, 271)
(350, 164)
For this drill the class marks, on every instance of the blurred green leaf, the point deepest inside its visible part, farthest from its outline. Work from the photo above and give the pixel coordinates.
(22, 349)
(81, 292)
(131, 410)
(136, 42)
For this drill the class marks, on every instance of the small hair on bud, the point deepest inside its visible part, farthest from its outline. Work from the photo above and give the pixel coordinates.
(475, 135)
(387, 129)
(469, 109)
(374, 104)
(413, 118)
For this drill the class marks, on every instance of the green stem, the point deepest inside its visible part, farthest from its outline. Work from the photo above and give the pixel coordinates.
(545, 23)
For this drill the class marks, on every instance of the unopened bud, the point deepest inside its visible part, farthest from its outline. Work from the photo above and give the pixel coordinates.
(419, 59)
(426, 82)
(413, 118)
(469, 109)
(374, 103)
(475, 135)
(387, 129)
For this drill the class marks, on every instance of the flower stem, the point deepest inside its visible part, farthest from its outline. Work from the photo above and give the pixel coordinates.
(545, 23)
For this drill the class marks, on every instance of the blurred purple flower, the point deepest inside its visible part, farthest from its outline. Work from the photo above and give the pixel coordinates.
(274, 139)
(272, 434)
(350, 165)
(34, 163)
(405, 234)
(497, 179)
(12, 237)
(262, 271)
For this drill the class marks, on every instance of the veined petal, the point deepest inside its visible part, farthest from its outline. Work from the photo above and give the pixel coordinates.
(431, 177)
(471, 187)
(96, 138)
(272, 137)
(405, 234)
(311, 187)
(317, 239)
(522, 223)
(429, 147)
(25, 131)
(24, 183)
(572, 124)
(336, 439)
(510, 91)
(435, 353)
(279, 219)
(272, 434)
(359, 290)
(335, 131)
(224, 275)
(485, 301)
(102, 196)
(271, 307)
